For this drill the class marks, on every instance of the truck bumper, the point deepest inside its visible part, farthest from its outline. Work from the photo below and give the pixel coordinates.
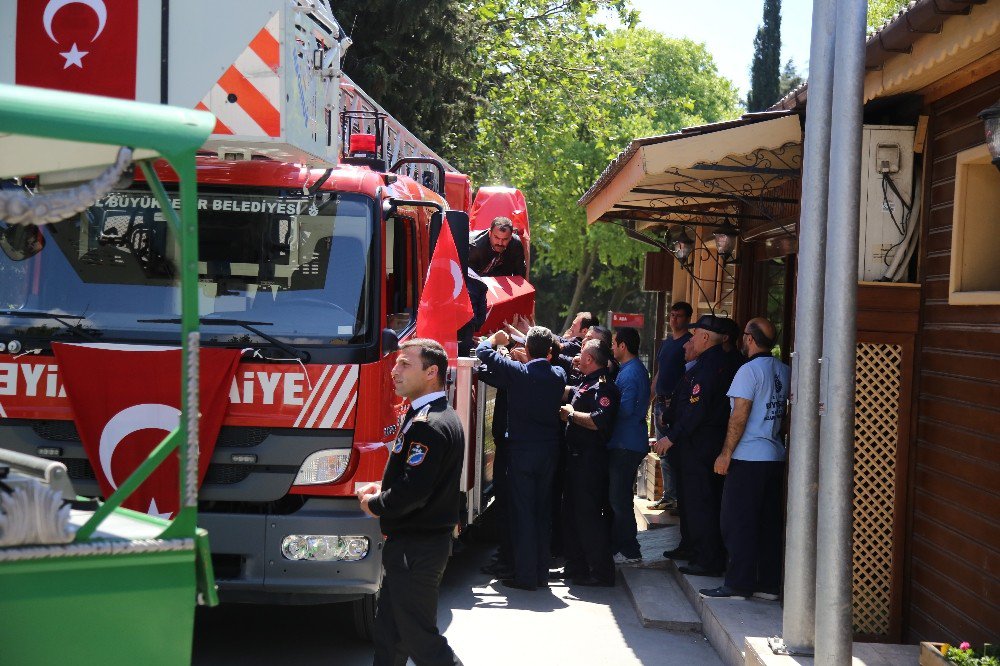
(249, 566)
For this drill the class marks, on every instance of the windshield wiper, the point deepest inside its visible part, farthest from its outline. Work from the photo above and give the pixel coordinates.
(73, 328)
(300, 354)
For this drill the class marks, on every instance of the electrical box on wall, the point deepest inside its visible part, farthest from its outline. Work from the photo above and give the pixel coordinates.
(886, 193)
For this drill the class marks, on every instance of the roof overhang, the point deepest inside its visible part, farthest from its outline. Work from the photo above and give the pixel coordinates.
(698, 175)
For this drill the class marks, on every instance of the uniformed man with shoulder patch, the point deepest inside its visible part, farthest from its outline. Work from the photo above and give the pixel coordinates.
(590, 418)
(418, 508)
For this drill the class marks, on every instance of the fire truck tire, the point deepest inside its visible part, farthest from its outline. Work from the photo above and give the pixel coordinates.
(363, 611)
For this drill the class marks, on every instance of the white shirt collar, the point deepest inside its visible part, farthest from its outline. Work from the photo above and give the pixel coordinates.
(428, 398)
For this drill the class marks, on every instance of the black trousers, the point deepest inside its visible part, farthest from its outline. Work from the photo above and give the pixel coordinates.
(501, 502)
(529, 480)
(701, 504)
(585, 528)
(406, 619)
(674, 456)
(752, 525)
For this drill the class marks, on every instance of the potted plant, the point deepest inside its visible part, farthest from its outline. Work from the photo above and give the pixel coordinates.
(945, 654)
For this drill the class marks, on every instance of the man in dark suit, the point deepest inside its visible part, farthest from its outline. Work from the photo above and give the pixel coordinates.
(418, 508)
(534, 395)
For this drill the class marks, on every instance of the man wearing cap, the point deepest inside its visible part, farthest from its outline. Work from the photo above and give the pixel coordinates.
(752, 459)
(497, 251)
(699, 426)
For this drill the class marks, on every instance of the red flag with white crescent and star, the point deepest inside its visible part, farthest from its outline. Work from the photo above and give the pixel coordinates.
(444, 303)
(126, 399)
(84, 46)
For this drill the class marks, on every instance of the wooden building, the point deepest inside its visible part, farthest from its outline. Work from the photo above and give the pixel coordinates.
(927, 455)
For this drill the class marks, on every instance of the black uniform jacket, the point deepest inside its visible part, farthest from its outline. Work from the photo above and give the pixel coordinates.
(420, 491)
(598, 396)
(699, 408)
(488, 263)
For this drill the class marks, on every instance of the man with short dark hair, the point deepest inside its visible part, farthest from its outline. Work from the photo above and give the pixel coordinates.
(669, 370)
(628, 445)
(497, 251)
(753, 461)
(534, 395)
(418, 508)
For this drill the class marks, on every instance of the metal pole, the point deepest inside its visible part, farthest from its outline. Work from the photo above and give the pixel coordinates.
(836, 454)
(798, 616)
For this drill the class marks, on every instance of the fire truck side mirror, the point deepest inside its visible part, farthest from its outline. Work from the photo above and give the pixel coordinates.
(20, 242)
(390, 341)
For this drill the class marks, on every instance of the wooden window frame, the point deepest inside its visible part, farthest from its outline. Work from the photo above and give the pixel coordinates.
(972, 208)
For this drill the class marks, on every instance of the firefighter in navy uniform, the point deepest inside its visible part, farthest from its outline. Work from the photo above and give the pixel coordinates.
(590, 418)
(418, 508)
(699, 428)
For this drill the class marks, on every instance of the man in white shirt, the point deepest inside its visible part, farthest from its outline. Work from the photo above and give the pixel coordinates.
(753, 459)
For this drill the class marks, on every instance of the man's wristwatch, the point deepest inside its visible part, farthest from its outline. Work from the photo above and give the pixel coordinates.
(570, 416)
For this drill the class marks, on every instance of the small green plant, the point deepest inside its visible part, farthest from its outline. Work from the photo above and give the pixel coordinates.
(964, 655)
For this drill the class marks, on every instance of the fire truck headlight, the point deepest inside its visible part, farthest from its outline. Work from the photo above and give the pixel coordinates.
(356, 548)
(324, 547)
(323, 466)
(295, 547)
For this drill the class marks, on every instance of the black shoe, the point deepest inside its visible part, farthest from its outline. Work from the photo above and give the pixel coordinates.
(591, 581)
(678, 554)
(722, 592)
(698, 570)
(497, 569)
(510, 582)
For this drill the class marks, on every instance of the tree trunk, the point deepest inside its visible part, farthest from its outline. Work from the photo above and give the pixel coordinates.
(582, 279)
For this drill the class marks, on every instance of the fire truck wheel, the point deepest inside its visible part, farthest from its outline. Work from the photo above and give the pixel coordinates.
(363, 610)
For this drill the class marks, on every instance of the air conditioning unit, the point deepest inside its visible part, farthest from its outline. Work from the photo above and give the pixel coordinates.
(886, 191)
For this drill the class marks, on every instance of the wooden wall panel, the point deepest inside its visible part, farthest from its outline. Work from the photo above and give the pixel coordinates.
(953, 532)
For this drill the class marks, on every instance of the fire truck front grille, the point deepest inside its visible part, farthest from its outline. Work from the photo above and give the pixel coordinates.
(229, 436)
(79, 468)
(227, 473)
(241, 436)
(56, 431)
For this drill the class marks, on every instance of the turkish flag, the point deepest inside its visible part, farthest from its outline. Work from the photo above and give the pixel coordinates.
(444, 304)
(506, 299)
(85, 46)
(126, 399)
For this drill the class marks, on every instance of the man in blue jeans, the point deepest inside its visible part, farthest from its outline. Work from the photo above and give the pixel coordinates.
(628, 445)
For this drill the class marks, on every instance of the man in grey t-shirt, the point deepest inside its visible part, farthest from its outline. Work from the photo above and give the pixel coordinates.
(753, 459)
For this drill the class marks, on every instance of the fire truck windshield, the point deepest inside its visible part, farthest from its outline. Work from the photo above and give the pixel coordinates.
(299, 263)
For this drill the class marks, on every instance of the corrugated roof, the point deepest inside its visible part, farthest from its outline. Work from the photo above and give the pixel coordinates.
(896, 35)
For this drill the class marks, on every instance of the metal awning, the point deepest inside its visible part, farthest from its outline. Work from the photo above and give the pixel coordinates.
(701, 175)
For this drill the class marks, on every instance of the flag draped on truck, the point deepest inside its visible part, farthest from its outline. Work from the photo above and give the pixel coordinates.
(122, 417)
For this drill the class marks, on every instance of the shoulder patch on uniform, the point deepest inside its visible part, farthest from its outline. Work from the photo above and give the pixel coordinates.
(605, 401)
(696, 389)
(417, 454)
(421, 416)
(398, 445)
(694, 399)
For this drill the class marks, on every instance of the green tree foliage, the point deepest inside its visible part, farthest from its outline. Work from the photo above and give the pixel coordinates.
(879, 11)
(414, 59)
(764, 71)
(553, 131)
(790, 79)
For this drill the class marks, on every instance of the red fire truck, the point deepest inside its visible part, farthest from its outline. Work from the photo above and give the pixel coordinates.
(316, 228)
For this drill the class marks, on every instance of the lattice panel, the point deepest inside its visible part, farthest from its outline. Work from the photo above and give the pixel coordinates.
(876, 437)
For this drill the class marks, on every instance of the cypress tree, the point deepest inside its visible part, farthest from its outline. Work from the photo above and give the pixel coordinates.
(765, 72)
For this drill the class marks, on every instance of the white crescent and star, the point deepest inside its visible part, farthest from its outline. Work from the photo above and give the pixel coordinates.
(74, 57)
(149, 416)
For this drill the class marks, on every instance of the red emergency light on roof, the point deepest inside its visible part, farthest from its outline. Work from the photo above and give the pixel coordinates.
(362, 143)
